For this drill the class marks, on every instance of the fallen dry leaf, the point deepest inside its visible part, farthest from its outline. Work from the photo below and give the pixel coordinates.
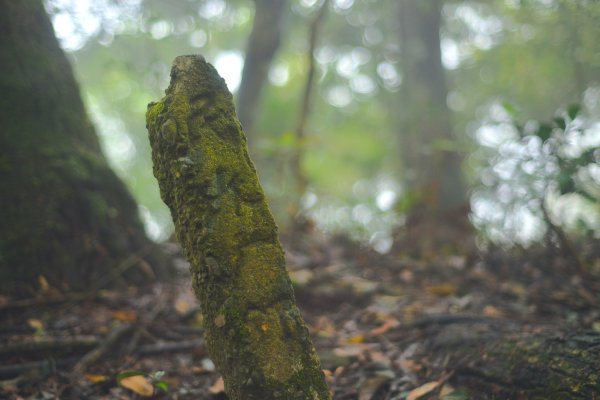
(138, 384)
(385, 327)
(146, 269)
(218, 386)
(491, 311)
(446, 390)
(443, 289)
(220, 320)
(423, 390)
(352, 350)
(409, 366)
(182, 306)
(94, 378)
(124, 315)
(35, 324)
(44, 286)
(355, 339)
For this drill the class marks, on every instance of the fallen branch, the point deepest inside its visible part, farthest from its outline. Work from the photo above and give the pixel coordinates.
(47, 301)
(44, 344)
(170, 347)
(103, 348)
(48, 365)
(544, 365)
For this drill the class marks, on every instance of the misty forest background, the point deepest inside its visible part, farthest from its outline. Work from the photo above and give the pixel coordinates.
(432, 166)
(507, 65)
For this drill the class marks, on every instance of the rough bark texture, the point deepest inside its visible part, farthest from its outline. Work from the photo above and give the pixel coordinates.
(64, 214)
(253, 329)
(543, 366)
(263, 43)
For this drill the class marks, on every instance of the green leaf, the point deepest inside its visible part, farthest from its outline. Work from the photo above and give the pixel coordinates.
(162, 385)
(566, 184)
(573, 110)
(510, 109)
(560, 122)
(587, 157)
(544, 131)
(127, 374)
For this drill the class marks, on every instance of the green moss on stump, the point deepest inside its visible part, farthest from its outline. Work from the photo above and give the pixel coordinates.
(254, 331)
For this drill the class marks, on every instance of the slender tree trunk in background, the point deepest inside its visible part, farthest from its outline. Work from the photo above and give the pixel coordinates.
(432, 166)
(65, 216)
(301, 180)
(263, 43)
(433, 172)
(253, 329)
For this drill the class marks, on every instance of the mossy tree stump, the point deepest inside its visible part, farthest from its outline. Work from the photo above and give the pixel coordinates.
(253, 329)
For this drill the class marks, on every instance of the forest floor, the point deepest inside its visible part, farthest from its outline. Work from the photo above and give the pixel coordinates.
(378, 322)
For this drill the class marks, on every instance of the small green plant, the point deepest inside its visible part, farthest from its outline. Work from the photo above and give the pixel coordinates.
(559, 137)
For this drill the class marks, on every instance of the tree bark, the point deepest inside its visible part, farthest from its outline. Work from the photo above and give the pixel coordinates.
(546, 365)
(432, 166)
(263, 43)
(253, 329)
(67, 219)
(538, 367)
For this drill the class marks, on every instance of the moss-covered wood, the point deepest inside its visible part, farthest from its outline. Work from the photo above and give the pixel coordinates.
(64, 215)
(253, 329)
(542, 366)
(548, 367)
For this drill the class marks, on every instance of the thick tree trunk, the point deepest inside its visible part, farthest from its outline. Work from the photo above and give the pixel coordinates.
(253, 329)
(64, 214)
(263, 43)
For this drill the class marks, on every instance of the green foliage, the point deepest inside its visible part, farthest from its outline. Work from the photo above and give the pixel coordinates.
(546, 162)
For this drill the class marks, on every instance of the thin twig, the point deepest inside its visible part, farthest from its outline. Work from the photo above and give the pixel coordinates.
(296, 161)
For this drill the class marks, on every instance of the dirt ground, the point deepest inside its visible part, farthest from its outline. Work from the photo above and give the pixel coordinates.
(378, 322)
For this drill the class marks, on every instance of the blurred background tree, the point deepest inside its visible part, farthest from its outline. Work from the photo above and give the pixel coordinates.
(68, 222)
(409, 106)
